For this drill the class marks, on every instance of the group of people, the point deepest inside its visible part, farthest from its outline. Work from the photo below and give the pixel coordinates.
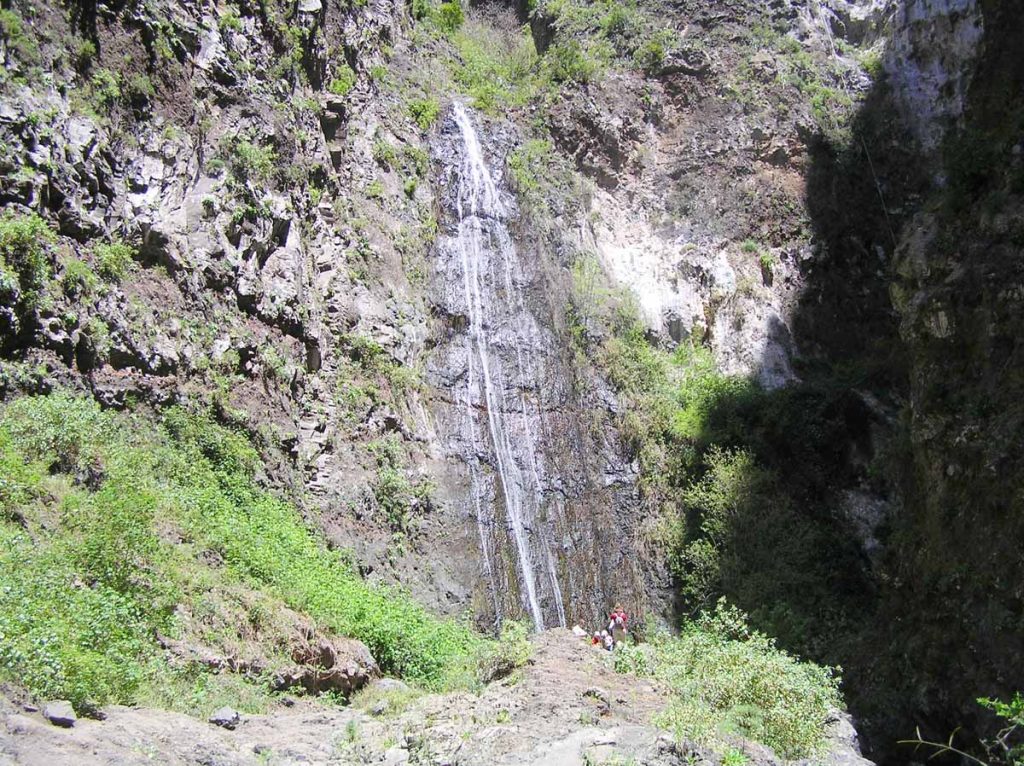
(615, 633)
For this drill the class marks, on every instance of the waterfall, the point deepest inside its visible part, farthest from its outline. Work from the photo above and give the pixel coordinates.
(501, 334)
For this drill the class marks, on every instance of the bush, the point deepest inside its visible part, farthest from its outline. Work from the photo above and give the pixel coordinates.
(425, 112)
(230, 21)
(106, 87)
(449, 16)
(78, 279)
(343, 82)
(421, 9)
(114, 261)
(13, 32)
(570, 62)
(726, 678)
(250, 162)
(528, 166)
(140, 90)
(649, 56)
(512, 651)
(25, 242)
(86, 54)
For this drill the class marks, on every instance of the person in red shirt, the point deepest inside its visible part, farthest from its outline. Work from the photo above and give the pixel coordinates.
(618, 624)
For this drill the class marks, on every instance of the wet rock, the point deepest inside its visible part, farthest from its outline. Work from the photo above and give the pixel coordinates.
(60, 713)
(225, 717)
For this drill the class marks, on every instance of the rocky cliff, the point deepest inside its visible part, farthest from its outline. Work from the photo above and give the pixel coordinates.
(532, 308)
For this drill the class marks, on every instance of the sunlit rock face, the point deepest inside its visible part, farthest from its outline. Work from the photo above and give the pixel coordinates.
(930, 63)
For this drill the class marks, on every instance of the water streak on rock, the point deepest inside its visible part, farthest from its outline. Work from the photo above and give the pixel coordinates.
(499, 373)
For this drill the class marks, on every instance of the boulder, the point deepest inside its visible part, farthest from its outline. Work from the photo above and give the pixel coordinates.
(60, 713)
(389, 685)
(329, 664)
(225, 717)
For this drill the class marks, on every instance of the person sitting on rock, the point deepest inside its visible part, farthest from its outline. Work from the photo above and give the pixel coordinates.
(607, 641)
(596, 640)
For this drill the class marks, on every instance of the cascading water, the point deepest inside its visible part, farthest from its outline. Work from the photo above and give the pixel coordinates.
(499, 336)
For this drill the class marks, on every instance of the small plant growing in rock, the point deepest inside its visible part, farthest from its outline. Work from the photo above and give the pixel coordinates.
(767, 261)
(750, 246)
(343, 82)
(421, 9)
(99, 334)
(78, 280)
(140, 90)
(209, 203)
(424, 112)
(384, 153)
(375, 189)
(85, 54)
(449, 16)
(230, 21)
(570, 62)
(18, 41)
(114, 261)
(106, 87)
(24, 251)
(250, 162)
(734, 757)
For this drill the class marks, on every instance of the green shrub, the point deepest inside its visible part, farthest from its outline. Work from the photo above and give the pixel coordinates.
(449, 16)
(106, 87)
(649, 56)
(385, 154)
(114, 261)
(726, 678)
(13, 32)
(421, 9)
(248, 161)
(425, 112)
(570, 62)
(343, 82)
(139, 89)
(85, 54)
(529, 164)
(78, 279)
(230, 21)
(400, 499)
(512, 651)
(621, 25)
(25, 242)
(496, 69)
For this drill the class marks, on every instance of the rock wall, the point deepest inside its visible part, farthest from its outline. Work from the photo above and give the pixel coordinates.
(951, 607)
(286, 274)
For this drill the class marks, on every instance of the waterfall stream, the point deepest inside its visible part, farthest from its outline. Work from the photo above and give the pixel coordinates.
(501, 334)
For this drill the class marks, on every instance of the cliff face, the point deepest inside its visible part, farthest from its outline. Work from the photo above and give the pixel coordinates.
(282, 183)
(413, 264)
(954, 600)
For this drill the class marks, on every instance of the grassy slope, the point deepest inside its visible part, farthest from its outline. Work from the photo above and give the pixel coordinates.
(110, 521)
